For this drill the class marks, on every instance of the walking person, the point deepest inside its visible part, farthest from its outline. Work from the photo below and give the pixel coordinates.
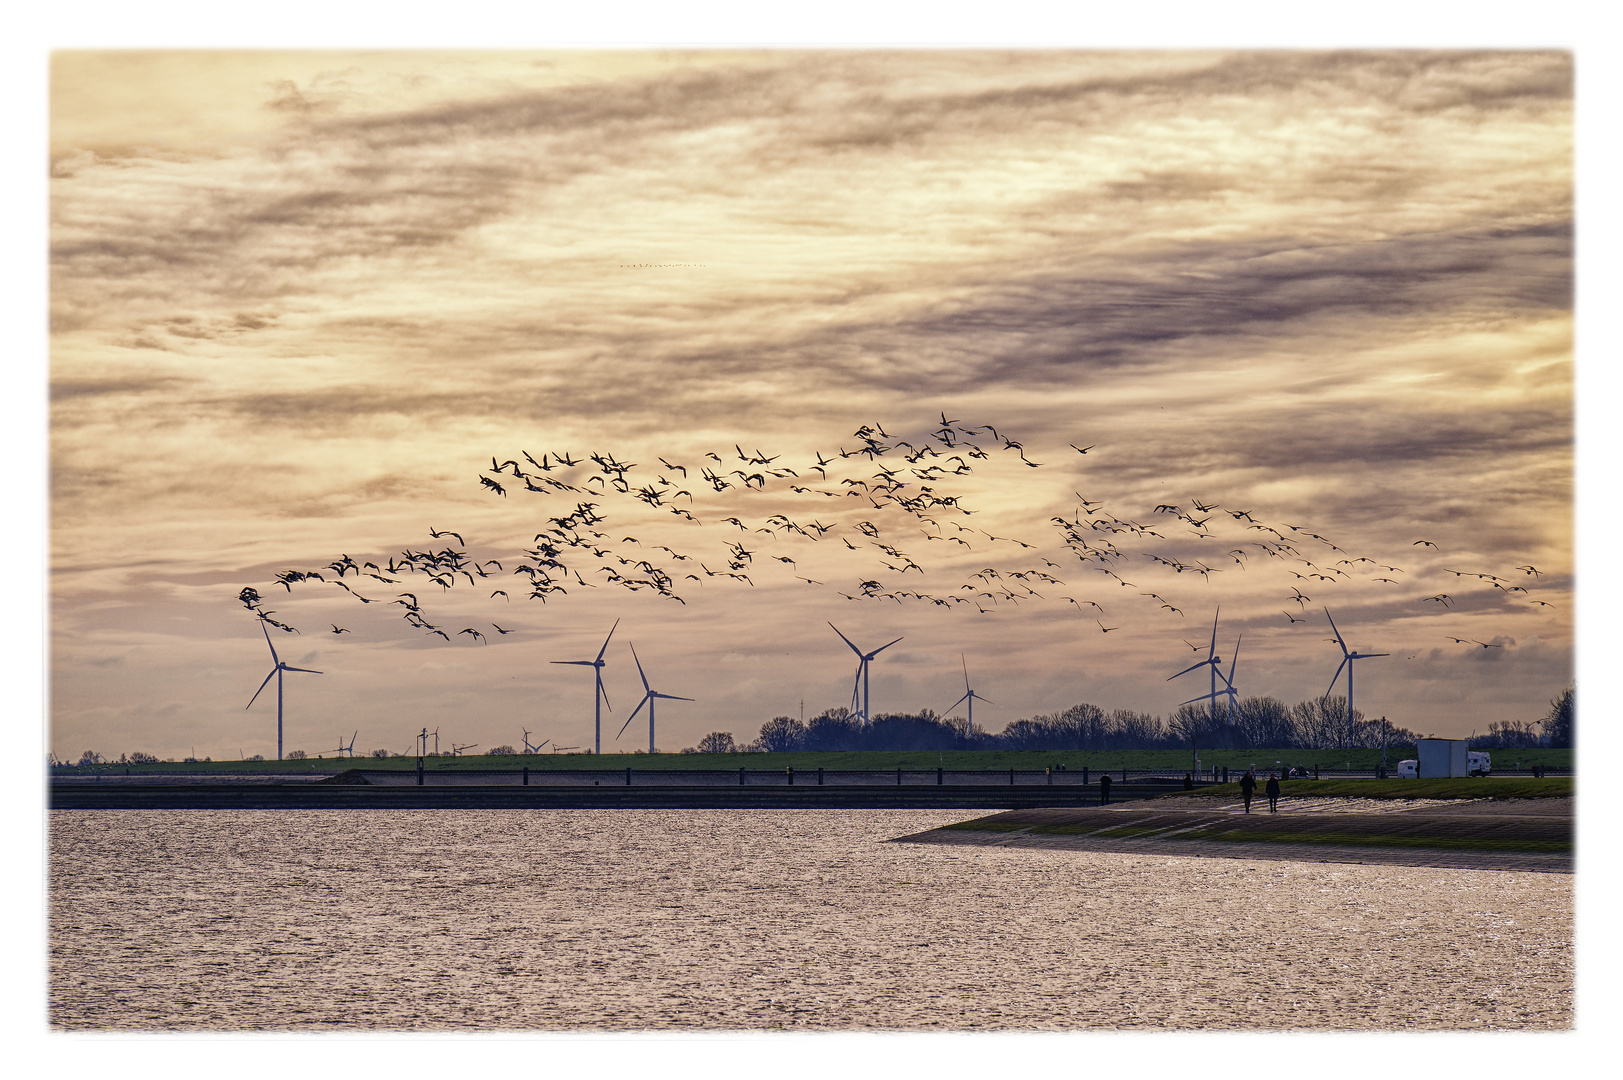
(1248, 786)
(1272, 791)
(1104, 789)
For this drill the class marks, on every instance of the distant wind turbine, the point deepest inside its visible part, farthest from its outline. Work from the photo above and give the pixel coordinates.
(277, 673)
(1228, 685)
(528, 749)
(1347, 659)
(350, 749)
(969, 695)
(600, 697)
(1212, 661)
(649, 694)
(863, 660)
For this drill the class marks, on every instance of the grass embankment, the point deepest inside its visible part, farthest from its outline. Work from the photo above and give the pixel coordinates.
(957, 760)
(1465, 787)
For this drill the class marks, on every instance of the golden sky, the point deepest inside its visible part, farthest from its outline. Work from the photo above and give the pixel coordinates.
(300, 300)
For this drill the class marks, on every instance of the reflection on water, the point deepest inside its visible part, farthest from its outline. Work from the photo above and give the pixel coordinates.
(750, 920)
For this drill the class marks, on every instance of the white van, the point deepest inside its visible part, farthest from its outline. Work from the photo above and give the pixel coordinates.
(1408, 770)
(1478, 763)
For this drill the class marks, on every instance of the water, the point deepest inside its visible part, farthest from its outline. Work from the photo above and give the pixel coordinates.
(762, 920)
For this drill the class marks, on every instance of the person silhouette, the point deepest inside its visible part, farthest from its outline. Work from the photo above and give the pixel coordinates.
(1104, 789)
(1272, 791)
(1248, 785)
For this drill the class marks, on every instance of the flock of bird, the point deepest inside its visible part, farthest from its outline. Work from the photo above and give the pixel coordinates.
(880, 519)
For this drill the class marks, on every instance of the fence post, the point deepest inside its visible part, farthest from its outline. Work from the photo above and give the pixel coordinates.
(526, 776)
(791, 772)
(1124, 776)
(1011, 778)
(1084, 776)
(819, 776)
(938, 774)
(898, 776)
(1050, 773)
(741, 776)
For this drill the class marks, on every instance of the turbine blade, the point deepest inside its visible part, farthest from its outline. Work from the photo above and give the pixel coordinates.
(632, 717)
(1213, 650)
(262, 686)
(640, 675)
(954, 705)
(1333, 630)
(668, 697)
(583, 663)
(600, 689)
(843, 638)
(1202, 697)
(605, 647)
(306, 670)
(977, 697)
(274, 658)
(1192, 667)
(1337, 675)
(881, 649)
(1233, 660)
(1366, 656)
(966, 675)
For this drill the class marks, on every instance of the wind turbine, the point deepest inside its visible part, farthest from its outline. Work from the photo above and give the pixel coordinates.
(456, 751)
(863, 660)
(277, 672)
(649, 694)
(528, 749)
(350, 749)
(1346, 662)
(1213, 661)
(1228, 684)
(600, 697)
(969, 696)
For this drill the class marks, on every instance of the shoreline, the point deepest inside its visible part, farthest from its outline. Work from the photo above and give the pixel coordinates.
(1476, 835)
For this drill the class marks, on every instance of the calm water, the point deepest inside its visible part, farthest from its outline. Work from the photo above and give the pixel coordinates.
(724, 919)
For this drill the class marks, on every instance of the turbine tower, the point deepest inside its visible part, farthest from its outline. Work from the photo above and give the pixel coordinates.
(649, 694)
(1347, 659)
(277, 672)
(1213, 661)
(600, 698)
(969, 696)
(863, 660)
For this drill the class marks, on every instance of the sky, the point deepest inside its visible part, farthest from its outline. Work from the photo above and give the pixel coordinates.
(303, 302)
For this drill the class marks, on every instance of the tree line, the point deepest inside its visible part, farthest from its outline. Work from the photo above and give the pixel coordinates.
(1257, 722)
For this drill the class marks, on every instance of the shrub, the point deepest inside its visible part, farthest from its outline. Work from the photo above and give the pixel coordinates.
(380, 753)
(296, 755)
(501, 751)
(139, 758)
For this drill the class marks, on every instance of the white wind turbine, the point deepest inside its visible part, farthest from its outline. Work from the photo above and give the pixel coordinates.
(276, 672)
(350, 749)
(600, 697)
(1347, 659)
(528, 749)
(969, 696)
(1228, 685)
(863, 660)
(649, 694)
(1212, 661)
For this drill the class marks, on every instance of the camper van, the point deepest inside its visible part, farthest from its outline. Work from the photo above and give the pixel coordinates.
(1407, 769)
(1478, 763)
